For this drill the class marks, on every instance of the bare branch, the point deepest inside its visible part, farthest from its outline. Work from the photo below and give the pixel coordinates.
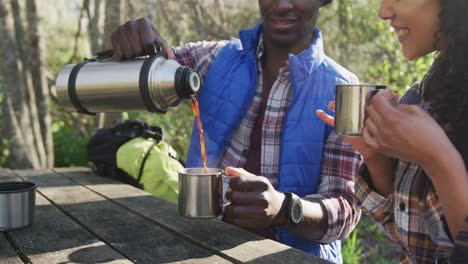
(78, 32)
(172, 27)
(217, 29)
(93, 25)
(69, 115)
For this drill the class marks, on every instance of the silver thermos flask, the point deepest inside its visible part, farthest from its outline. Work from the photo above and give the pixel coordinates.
(151, 84)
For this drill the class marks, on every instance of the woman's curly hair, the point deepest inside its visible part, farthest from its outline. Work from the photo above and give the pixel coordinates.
(447, 88)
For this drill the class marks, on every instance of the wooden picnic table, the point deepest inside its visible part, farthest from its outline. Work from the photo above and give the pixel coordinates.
(81, 217)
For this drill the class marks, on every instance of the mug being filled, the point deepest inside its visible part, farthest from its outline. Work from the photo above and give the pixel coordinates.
(202, 195)
(351, 100)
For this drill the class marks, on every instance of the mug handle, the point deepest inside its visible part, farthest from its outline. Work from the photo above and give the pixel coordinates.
(223, 186)
(371, 93)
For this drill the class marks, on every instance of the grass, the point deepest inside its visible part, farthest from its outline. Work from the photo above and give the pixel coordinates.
(368, 244)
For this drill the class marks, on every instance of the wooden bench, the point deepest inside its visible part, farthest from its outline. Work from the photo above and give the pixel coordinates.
(84, 218)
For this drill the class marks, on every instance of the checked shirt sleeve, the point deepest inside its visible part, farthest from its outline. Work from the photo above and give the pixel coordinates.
(199, 55)
(336, 190)
(374, 205)
(460, 254)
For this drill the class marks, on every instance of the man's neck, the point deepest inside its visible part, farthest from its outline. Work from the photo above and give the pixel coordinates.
(275, 56)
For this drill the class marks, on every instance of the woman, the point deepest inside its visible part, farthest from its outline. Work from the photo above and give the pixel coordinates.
(420, 199)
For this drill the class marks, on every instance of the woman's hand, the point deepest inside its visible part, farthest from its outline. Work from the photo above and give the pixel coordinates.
(137, 38)
(408, 132)
(254, 201)
(405, 131)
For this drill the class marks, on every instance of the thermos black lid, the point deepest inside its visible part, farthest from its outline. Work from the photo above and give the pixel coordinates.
(186, 81)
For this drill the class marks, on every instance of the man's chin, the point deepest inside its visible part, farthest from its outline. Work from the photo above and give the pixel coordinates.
(283, 40)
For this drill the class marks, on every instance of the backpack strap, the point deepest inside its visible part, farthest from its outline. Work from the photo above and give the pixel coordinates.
(140, 172)
(153, 132)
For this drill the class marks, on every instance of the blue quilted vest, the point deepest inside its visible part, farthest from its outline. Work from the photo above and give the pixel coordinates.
(227, 93)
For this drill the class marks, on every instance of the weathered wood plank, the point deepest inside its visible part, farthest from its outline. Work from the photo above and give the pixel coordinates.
(7, 175)
(7, 253)
(231, 241)
(137, 238)
(55, 238)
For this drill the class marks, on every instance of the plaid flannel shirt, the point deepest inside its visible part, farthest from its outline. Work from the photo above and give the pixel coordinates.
(460, 253)
(417, 225)
(339, 162)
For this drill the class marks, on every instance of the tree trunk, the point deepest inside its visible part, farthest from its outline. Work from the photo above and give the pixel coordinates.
(130, 10)
(111, 22)
(172, 26)
(25, 75)
(151, 11)
(343, 12)
(41, 87)
(17, 127)
(95, 34)
(222, 14)
(78, 32)
(199, 26)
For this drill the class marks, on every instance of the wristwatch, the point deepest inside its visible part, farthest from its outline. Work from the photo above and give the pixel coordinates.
(293, 208)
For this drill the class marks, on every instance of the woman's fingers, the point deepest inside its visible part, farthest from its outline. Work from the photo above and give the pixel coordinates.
(373, 121)
(369, 138)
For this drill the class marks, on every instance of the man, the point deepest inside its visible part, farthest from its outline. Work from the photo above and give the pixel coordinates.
(257, 105)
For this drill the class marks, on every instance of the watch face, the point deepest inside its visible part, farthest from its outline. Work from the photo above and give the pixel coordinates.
(296, 211)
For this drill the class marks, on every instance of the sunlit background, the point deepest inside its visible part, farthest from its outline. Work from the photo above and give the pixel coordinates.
(40, 37)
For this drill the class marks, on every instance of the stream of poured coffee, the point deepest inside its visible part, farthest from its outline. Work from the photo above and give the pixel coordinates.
(196, 111)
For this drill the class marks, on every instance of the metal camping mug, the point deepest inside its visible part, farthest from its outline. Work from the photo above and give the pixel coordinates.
(201, 195)
(17, 201)
(351, 100)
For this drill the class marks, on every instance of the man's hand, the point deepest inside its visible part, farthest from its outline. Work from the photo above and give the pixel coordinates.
(254, 202)
(137, 38)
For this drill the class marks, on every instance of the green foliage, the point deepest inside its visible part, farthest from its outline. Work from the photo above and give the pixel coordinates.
(59, 36)
(69, 146)
(4, 151)
(1, 93)
(352, 250)
(375, 246)
(366, 45)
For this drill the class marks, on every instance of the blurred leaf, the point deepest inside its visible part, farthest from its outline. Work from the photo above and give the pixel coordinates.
(352, 250)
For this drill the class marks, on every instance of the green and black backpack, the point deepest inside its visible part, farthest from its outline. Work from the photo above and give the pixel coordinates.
(134, 152)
